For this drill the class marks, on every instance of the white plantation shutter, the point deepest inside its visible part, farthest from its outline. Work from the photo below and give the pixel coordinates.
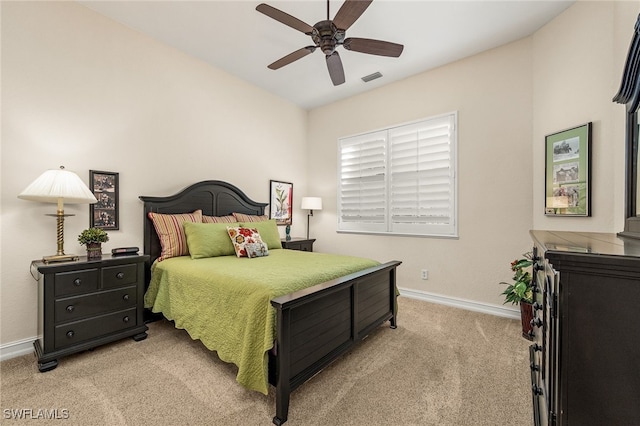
(422, 177)
(400, 180)
(363, 186)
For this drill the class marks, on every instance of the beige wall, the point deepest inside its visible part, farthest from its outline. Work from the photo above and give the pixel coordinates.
(493, 96)
(508, 99)
(577, 69)
(82, 91)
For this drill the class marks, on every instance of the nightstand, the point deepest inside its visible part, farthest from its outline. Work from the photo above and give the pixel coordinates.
(302, 244)
(84, 304)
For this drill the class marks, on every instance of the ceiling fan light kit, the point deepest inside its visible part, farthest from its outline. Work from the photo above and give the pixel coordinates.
(328, 35)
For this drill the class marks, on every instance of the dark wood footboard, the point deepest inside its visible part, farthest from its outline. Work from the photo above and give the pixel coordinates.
(317, 325)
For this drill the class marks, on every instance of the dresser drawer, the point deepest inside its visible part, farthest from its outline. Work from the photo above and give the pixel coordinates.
(75, 332)
(76, 282)
(117, 276)
(72, 308)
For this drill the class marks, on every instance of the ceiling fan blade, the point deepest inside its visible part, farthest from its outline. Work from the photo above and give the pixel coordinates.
(293, 56)
(285, 18)
(350, 12)
(336, 71)
(373, 47)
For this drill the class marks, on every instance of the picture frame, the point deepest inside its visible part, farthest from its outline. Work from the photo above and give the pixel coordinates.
(105, 187)
(568, 172)
(281, 202)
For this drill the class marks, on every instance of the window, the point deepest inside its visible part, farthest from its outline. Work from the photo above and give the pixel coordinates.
(400, 180)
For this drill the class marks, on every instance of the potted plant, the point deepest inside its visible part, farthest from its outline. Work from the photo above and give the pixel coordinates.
(93, 239)
(520, 292)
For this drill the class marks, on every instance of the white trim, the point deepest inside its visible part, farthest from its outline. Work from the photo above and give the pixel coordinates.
(469, 305)
(16, 349)
(25, 346)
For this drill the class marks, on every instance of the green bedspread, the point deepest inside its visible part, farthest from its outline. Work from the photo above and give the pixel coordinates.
(225, 301)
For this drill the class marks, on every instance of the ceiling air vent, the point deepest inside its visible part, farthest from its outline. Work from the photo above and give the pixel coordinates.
(368, 78)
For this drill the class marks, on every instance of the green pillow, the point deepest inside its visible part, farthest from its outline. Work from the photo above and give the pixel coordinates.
(208, 239)
(268, 231)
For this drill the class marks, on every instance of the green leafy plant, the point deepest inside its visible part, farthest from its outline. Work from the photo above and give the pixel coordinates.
(521, 289)
(93, 235)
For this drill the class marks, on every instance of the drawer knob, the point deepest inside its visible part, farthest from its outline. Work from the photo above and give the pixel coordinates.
(534, 367)
(537, 347)
(537, 306)
(125, 319)
(536, 390)
(70, 334)
(536, 322)
(77, 282)
(120, 275)
(125, 297)
(70, 308)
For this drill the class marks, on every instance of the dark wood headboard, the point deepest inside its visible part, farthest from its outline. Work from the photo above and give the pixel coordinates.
(213, 197)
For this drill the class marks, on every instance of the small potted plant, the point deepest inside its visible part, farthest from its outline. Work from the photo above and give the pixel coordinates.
(93, 239)
(520, 291)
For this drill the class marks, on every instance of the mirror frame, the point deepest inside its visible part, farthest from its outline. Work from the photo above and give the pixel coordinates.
(629, 95)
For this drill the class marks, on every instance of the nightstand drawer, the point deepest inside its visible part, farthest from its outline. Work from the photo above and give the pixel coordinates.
(75, 282)
(301, 244)
(117, 276)
(72, 308)
(78, 331)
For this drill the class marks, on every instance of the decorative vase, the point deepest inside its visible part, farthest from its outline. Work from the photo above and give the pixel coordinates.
(94, 251)
(287, 231)
(526, 317)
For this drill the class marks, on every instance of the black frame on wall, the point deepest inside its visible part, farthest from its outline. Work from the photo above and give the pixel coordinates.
(105, 187)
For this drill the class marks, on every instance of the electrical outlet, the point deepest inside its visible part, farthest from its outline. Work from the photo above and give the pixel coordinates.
(425, 274)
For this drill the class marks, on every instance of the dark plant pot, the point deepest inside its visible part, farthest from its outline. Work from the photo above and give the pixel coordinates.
(94, 251)
(526, 316)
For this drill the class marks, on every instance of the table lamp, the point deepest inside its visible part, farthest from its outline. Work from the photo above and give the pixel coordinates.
(59, 186)
(311, 204)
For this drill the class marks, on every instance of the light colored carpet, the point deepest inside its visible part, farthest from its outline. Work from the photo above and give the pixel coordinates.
(441, 366)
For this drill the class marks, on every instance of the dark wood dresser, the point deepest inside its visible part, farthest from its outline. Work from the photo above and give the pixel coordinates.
(85, 304)
(585, 360)
(302, 244)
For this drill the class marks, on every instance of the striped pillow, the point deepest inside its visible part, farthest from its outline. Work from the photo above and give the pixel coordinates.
(170, 231)
(241, 217)
(218, 219)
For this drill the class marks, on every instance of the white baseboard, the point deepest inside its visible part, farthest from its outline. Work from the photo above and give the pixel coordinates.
(16, 349)
(23, 347)
(469, 305)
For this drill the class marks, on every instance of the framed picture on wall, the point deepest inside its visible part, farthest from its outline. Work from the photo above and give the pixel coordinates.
(568, 172)
(281, 202)
(104, 213)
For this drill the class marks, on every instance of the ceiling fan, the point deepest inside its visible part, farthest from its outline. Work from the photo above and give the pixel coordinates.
(329, 34)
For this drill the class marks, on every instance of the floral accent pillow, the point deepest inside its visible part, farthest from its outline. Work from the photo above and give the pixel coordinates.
(256, 250)
(241, 236)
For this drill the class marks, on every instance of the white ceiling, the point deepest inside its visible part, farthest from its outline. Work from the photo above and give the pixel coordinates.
(233, 36)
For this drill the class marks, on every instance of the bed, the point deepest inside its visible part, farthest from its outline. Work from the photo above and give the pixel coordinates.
(309, 321)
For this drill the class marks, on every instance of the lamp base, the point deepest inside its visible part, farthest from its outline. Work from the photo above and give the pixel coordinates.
(60, 258)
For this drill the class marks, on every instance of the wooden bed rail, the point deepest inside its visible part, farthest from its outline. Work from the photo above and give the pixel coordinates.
(317, 325)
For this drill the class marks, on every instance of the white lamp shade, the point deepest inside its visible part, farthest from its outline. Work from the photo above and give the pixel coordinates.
(58, 185)
(311, 203)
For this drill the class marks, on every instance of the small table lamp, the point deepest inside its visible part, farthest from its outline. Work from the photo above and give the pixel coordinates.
(59, 186)
(311, 204)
